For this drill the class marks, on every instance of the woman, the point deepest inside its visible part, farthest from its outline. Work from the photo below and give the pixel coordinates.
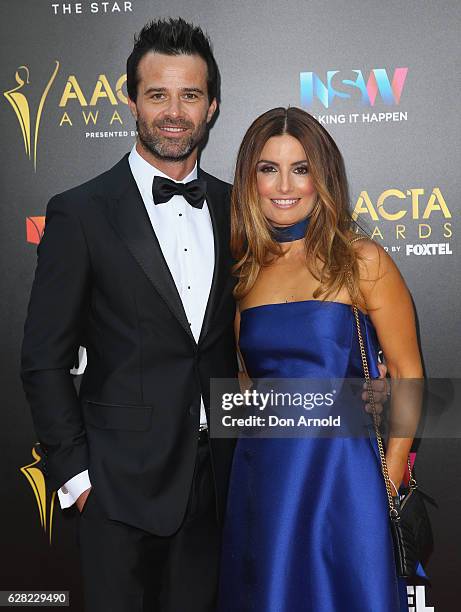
(307, 524)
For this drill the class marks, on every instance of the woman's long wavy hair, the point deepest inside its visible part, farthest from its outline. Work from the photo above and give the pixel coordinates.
(328, 250)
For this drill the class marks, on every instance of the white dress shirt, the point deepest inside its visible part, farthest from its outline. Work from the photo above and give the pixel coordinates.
(185, 235)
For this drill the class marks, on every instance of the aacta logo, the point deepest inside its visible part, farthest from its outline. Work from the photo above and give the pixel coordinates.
(29, 123)
(45, 499)
(333, 86)
(102, 93)
(399, 207)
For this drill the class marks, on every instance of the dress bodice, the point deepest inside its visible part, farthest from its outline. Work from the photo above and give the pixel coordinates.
(306, 339)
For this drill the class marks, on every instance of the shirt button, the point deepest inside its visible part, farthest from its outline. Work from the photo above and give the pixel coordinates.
(188, 286)
(180, 214)
(185, 249)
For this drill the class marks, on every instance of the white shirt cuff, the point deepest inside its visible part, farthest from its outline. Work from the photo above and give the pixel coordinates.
(73, 488)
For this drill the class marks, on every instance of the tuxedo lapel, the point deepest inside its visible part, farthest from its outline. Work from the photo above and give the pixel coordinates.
(220, 222)
(133, 225)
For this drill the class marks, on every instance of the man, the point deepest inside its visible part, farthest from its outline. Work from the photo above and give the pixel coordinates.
(135, 266)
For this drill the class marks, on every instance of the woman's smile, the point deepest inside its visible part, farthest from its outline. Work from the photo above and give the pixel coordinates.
(285, 202)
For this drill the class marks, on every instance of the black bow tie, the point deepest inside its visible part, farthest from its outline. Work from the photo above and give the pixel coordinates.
(163, 189)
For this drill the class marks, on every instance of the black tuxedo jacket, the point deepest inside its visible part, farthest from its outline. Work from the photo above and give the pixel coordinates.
(102, 282)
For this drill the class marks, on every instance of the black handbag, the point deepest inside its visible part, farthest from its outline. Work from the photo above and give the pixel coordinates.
(409, 521)
(411, 531)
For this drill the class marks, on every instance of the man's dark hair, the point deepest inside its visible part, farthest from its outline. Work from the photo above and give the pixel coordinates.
(171, 37)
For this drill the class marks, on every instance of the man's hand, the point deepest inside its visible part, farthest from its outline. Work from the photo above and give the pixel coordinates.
(380, 391)
(81, 500)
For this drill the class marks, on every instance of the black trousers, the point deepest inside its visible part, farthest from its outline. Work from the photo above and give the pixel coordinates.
(126, 569)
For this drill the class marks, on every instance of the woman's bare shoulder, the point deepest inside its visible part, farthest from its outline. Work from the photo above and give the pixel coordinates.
(373, 259)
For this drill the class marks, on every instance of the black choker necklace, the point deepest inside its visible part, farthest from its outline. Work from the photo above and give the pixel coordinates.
(291, 232)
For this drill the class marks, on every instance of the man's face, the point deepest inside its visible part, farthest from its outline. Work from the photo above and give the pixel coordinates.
(172, 108)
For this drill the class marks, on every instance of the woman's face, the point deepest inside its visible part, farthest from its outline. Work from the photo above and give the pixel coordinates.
(286, 192)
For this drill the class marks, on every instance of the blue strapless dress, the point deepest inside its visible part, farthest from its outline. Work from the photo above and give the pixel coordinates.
(307, 527)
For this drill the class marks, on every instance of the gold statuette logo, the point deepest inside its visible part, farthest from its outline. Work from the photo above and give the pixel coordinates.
(20, 103)
(37, 481)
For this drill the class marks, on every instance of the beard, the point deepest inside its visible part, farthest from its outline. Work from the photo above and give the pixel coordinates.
(170, 149)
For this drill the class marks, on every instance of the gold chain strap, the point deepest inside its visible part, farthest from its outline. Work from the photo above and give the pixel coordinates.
(371, 398)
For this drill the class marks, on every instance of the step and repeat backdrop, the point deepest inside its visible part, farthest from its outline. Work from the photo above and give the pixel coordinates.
(382, 77)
